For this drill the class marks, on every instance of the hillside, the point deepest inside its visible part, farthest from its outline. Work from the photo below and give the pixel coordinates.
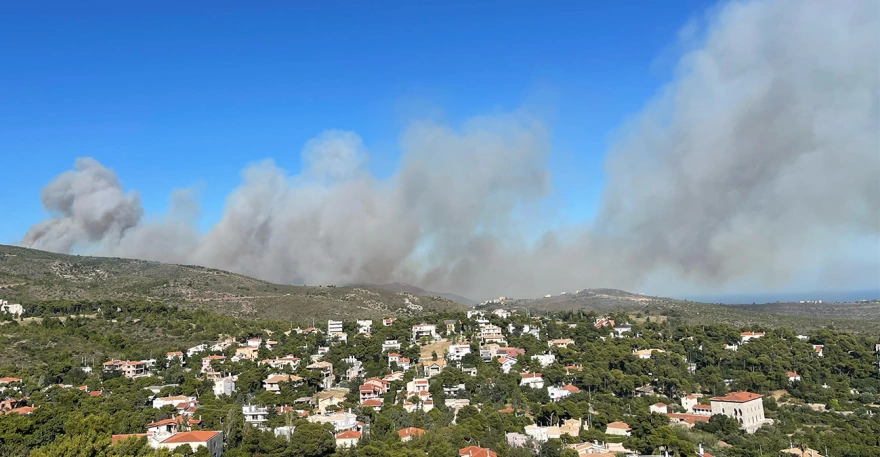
(861, 317)
(29, 275)
(411, 289)
(862, 310)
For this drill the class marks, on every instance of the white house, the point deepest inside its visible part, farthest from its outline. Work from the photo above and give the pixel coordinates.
(390, 344)
(15, 308)
(457, 351)
(558, 393)
(365, 326)
(792, 376)
(660, 408)
(506, 364)
(502, 313)
(225, 386)
(746, 336)
(169, 356)
(175, 401)
(348, 438)
(256, 416)
(417, 385)
(196, 349)
(211, 440)
(819, 349)
(533, 380)
(424, 330)
(544, 360)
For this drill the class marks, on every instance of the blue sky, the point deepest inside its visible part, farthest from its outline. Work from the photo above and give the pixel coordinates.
(172, 95)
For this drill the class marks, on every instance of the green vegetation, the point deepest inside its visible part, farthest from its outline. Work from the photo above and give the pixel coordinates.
(853, 317)
(833, 406)
(28, 276)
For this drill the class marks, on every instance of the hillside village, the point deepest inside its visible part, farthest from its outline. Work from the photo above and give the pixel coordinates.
(505, 383)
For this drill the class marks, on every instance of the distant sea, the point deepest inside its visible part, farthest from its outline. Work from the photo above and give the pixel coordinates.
(788, 297)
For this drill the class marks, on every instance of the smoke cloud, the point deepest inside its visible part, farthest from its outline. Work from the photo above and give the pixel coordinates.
(759, 159)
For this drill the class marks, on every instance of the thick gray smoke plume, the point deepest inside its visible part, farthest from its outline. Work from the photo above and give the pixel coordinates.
(759, 161)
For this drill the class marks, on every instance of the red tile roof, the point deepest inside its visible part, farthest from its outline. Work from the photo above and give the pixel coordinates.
(24, 410)
(475, 451)
(410, 431)
(347, 435)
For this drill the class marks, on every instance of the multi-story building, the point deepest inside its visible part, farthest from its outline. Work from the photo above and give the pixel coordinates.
(746, 407)
(256, 416)
(334, 327)
(326, 370)
(457, 351)
(424, 330)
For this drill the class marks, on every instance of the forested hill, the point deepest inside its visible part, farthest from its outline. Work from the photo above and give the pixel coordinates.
(28, 275)
(859, 317)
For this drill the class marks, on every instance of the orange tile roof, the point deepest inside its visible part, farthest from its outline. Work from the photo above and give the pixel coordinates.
(198, 436)
(347, 435)
(571, 388)
(116, 438)
(475, 451)
(738, 397)
(8, 379)
(410, 431)
(24, 410)
(619, 425)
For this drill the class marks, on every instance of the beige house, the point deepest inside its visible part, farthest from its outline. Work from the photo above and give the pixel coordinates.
(618, 428)
(273, 382)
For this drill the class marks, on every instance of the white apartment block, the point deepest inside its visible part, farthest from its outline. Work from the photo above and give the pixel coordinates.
(256, 416)
(334, 326)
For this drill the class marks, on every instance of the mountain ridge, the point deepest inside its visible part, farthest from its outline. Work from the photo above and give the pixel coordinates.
(29, 275)
(415, 290)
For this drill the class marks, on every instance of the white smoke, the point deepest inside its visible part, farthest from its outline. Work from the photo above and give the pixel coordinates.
(760, 159)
